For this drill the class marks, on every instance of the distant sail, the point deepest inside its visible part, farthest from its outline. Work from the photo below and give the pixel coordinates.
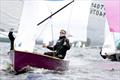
(109, 44)
(96, 24)
(112, 24)
(112, 8)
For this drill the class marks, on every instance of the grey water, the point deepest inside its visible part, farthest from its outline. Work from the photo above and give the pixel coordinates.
(85, 64)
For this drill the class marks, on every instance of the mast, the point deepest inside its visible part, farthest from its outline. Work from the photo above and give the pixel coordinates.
(55, 13)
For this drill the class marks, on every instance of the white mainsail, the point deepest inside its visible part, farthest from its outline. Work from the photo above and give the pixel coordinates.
(79, 20)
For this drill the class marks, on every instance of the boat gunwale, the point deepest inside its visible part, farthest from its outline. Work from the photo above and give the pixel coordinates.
(36, 53)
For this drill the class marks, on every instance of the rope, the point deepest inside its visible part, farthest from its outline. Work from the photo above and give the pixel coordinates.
(43, 29)
(51, 21)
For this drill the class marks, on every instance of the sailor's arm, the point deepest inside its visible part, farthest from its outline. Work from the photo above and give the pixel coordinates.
(49, 47)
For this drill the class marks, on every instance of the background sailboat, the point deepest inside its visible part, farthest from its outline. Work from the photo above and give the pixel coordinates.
(96, 25)
(112, 32)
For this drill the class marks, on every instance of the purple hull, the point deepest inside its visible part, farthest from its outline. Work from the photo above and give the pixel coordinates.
(23, 59)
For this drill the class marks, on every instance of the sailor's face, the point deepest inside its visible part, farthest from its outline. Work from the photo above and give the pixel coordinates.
(62, 34)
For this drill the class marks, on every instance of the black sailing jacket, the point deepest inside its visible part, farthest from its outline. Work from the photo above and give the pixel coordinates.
(61, 46)
(11, 37)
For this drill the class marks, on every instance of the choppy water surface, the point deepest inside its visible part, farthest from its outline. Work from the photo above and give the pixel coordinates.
(85, 64)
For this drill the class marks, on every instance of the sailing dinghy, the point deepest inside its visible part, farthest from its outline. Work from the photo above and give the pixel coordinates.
(24, 56)
(21, 61)
(25, 40)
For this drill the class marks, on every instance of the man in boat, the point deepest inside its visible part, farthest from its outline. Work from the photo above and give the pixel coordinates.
(11, 52)
(60, 48)
(11, 38)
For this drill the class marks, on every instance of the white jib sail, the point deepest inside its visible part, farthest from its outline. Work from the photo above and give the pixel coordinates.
(109, 45)
(33, 13)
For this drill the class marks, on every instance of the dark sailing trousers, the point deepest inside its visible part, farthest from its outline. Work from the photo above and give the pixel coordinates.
(12, 45)
(50, 53)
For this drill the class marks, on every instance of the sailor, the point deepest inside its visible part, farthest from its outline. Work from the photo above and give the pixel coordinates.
(11, 38)
(60, 48)
(11, 52)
